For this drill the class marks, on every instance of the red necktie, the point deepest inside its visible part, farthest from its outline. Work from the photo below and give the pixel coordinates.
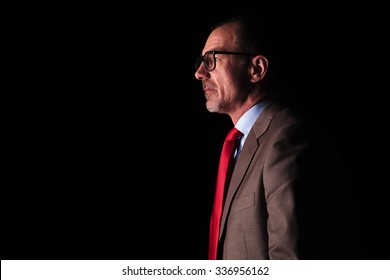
(223, 173)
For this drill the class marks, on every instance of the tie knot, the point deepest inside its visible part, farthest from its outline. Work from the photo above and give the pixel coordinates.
(233, 134)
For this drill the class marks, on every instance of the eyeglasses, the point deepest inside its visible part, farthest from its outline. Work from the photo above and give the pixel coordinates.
(209, 59)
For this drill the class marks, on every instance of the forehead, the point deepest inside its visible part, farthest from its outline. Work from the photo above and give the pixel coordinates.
(222, 38)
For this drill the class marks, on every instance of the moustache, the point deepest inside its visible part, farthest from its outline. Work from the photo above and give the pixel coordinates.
(206, 84)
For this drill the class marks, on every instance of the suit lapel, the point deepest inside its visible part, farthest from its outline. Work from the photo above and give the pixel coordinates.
(248, 151)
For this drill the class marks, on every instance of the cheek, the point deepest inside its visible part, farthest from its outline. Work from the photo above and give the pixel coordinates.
(232, 80)
(235, 82)
(228, 79)
(242, 80)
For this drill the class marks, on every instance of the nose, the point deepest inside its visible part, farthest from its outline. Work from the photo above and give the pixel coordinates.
(201, 72)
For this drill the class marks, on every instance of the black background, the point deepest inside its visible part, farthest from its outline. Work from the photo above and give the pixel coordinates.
(108, 151)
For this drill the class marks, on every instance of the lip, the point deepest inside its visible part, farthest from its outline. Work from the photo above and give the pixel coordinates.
(207, 89)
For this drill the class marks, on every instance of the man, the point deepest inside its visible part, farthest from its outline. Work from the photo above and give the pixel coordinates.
(282, 199)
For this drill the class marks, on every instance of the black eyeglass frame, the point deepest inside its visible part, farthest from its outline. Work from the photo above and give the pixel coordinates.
(200, 59)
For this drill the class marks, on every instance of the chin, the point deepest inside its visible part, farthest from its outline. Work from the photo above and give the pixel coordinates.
(212, 109)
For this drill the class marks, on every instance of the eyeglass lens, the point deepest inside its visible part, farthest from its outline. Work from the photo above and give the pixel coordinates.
(208, 59)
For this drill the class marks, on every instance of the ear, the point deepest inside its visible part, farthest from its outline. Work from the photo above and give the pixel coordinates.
(259, 68)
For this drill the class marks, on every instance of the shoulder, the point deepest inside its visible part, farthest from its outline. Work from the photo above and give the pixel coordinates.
(278, 113)
(281, 120)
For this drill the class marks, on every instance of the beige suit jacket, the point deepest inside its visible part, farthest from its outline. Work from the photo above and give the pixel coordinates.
(282, 195)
